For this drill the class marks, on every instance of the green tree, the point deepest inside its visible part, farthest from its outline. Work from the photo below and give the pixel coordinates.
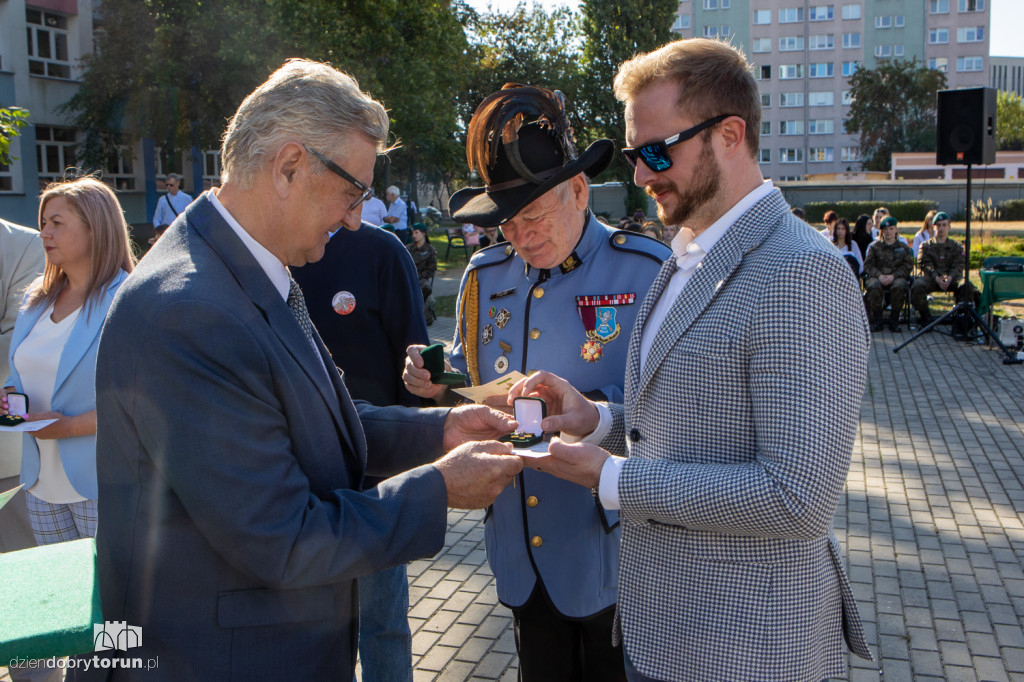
(615, 31)
(893, 110)
(12, 120)
(1009, 121)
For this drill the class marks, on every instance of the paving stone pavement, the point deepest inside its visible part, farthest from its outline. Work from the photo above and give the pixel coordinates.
(931, 524)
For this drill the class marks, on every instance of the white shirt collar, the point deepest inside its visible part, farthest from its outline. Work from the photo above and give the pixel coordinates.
(274, 268)
(690, 252)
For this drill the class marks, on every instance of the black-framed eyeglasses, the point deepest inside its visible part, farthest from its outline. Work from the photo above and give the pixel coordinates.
(655, 154)
(367, 192)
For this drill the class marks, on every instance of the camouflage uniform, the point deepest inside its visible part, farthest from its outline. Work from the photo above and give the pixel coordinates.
(936, 260)
(887, 259)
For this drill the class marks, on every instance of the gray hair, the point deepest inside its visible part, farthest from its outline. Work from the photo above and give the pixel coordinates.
(393, 189)
(172, 176)
(303, 102)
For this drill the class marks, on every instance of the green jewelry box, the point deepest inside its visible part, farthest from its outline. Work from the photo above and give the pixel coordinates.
(51, 600)
(433, 361)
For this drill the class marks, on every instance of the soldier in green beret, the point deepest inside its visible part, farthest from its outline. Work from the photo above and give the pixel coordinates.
(942, 266)
(887, 267)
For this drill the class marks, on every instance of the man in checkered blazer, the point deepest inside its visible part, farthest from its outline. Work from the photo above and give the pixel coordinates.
(737, 429)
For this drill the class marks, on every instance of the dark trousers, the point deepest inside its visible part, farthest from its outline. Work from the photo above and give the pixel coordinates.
(553, 648)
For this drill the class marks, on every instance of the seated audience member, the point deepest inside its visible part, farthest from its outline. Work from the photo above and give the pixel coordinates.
(799, 213)
(876, 221)
(471, 234)
(652, 229)
(633, 226)
(639, 216)
(668, 233)
(862, 233)
(830, 225)
(926, 232)
(942, 266)
(491, 235)
(158, 232)
(424, 255)
(887, 268)
(847, 247)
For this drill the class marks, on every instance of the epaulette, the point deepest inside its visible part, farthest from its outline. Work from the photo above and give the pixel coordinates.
(491, 255)
(634, 242)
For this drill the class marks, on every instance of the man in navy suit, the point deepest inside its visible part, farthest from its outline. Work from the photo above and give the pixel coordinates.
(231, 458)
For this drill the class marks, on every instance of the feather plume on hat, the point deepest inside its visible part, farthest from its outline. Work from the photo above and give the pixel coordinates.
(500, 116)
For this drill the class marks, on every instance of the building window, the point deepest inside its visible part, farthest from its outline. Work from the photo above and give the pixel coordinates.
(47, 44)
(970, 64)
(791, 127)
(766, 128)
(883, 22)
(970, 34)
(821, 126)
(938, 36)
(851, 40)
(791, 15)
(821, 99)
(849, 154)
(791, 99)
(211, 166)
(710, 4)
(847, 98)
(791, 155)
(710, 31)
(762, 17)
(883, 50)
(820, 13)
(821, 70)
(761, 45)
(119, 169)
(825, 41)
(764, 73)
(819, 154)
(899, 21)
(970, 5)
(938, 6)
(6, 178)
(55, 151)
(939, 64)
(766, 100)
(850, 68)
(765, 156)
(897, 50)
(851, 11)
(791, 71)
(682, 22)
(791, 44)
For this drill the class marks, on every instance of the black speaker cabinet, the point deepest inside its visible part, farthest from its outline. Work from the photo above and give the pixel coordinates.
(967, 127)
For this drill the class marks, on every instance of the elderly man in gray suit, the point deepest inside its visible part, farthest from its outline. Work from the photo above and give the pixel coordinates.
(230, 456)
(737, 431)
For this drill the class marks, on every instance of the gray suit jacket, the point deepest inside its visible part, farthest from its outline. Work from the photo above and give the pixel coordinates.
(739, 432)
(230, 523)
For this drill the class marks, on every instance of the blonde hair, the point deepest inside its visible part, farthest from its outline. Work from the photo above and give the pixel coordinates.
(96, 205)
(303, 101)
(714, 78)
(928, 225)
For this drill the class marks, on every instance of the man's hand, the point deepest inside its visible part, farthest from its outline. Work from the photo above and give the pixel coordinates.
(568, 411)
(474, 473)
(417, 378)
(475, 422)
(944, 281)
(579, 463)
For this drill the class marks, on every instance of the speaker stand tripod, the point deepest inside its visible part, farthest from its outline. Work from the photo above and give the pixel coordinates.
(1009, 357)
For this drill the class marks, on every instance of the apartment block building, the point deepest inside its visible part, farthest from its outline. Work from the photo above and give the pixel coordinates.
(1007, 73)
(804, 52)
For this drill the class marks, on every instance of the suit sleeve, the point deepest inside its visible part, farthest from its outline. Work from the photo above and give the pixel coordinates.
(804, 408)
(208, 417)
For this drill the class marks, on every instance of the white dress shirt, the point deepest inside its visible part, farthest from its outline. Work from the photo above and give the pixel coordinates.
(689, 252)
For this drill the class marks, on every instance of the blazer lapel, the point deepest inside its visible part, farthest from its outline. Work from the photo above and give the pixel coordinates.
(86, 330)
(668, 268)
(204, 218)
(748, 232)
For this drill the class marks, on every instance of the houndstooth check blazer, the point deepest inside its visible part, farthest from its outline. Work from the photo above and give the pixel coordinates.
(739, 431)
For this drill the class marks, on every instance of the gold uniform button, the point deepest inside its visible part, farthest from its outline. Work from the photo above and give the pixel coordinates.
(534, 334)
(532, 501)
(620, 239)
(536, 541)
(538, 292)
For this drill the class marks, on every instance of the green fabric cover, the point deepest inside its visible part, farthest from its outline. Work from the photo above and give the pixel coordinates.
(51, 601)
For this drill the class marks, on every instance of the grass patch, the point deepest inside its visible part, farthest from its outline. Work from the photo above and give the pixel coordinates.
(444, 306)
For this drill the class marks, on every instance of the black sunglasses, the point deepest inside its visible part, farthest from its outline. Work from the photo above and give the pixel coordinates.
(655, 154)
(338, 170)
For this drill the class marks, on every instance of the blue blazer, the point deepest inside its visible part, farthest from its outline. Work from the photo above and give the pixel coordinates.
(73, 393)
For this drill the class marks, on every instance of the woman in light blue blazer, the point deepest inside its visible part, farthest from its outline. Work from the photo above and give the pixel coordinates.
(53, 353)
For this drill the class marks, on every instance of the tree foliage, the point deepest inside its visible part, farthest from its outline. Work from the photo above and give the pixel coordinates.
(1009, 121)
(893, 110)
(615, 31)
(12, 120)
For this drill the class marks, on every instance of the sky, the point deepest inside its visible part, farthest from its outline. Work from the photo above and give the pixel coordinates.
(1007, 18)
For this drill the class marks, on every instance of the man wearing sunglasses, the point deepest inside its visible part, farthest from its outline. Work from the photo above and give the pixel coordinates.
(737, 432)
(561, 295)
(232, 457)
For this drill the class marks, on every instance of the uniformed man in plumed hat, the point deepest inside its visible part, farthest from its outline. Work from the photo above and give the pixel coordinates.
(561, 295)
